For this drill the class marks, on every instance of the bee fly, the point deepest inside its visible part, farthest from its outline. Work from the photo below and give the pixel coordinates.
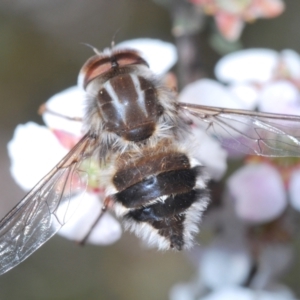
(135, 125)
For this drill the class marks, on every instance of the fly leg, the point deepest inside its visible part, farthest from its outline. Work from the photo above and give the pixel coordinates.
(44, 109)
(108, 202)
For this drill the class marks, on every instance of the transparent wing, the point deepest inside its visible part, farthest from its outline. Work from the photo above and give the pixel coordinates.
(46, 208)
(251, 132)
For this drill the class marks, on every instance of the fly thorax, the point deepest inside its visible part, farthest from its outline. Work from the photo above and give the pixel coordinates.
(129, 107)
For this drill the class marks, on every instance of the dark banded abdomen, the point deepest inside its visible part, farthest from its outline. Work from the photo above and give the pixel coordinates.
(155, 186)
(168, 217)
(129, 107)
(164, 197)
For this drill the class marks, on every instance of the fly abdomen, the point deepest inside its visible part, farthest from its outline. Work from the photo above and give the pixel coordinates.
(165, 206)
(163, 184)
(173, 205)
(170, 218)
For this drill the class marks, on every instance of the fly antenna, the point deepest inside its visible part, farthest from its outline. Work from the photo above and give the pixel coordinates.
(92, 47)
(114, 37)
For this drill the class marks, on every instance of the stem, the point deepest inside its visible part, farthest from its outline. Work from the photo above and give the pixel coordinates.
(188, 22)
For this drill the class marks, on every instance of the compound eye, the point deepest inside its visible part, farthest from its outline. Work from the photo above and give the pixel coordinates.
(129, 57)
(99, 64)
(94, 67)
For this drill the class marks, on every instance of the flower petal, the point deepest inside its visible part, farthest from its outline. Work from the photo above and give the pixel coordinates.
(183, 291)
(291, 59)
(267, 8)
(229, 25)
(224, 265)
(258, 192)
(247, 93)
(254, 65)
(294, 188)
(209, 152)
(280, 97)
(66, 139)
(161, 56)
(33, 151)
(107, 231)
(210, 92)
(232, 293)
(70, 103)
(233, 7)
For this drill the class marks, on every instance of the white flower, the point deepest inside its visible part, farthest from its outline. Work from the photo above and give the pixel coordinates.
(161, 56)
(294, 186)
(250, 65)
(273, 82)
(274, 77)
(212, 93)
(259, 189)
(107, 230)
(259, 193)
(30, 150)
(70, 103)
(224, 265)
(34, 151)
(209, 152)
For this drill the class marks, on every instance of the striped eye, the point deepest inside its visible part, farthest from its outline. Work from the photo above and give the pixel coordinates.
(94, 67)
(99, 65)
(129, 57)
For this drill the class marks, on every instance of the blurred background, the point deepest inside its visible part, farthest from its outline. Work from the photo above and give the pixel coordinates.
(40, 55)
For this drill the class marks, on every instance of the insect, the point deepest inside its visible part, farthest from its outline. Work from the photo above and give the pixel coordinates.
(136, 126)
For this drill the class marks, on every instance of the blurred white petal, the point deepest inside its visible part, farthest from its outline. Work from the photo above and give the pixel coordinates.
(209, 152)
(161, 56)
(254, 65)
(280, 97)
(258, 192)
(294, 188)
(246, 93)
(33, 151)
(107, 231)
(223, 266)
(231, 293)
(240, 293)
(70, 103)
(292, 61)
(182, 291)
(210, 92)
